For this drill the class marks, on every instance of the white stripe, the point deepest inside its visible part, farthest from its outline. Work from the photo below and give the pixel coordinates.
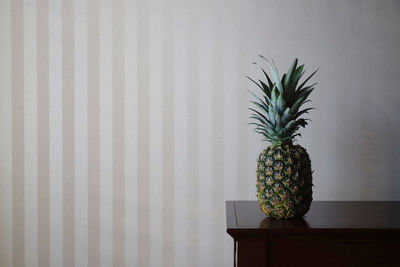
(155, 138)
(230, 137)
(6, 224)
(30, 134)
(131, 132)
(56, 192)
(106, 179)
(230, 123)
(81, 135)
(205, 150)
(181, 151)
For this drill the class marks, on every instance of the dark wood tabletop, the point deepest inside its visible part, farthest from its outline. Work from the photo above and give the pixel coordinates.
(323, 214)
(361, 233)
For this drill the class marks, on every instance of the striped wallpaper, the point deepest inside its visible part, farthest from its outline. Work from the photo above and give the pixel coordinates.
(124, 123)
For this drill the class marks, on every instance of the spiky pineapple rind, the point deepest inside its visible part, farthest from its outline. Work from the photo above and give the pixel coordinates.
(284, 181)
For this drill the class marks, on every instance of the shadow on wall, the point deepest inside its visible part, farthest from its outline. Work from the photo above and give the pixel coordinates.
(368, 137)
(360, 114)
(379, 153)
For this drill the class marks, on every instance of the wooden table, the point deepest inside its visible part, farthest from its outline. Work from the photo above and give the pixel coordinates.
(333, 233)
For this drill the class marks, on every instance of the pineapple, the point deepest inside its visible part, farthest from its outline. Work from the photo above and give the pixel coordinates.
(284, 175)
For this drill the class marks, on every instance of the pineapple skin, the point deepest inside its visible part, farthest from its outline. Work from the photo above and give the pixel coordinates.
(284, 181)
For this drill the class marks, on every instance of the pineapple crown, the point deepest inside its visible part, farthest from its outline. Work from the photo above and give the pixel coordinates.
(278, 115)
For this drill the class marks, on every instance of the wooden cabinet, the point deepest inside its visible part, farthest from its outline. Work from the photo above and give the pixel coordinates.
(333, 233)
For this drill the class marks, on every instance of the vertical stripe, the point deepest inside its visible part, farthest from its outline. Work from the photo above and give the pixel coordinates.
(131, 135)
(118, 132)
(143, 134)
(205, 145)
(180, 148)
(242, 122)
(43, 133)
(218, 150)
(168, 125)
(18, 133)
(56, 135)
(93, 134)
(193, 144)
(230, 115)
(30, 133)
(155, 132)
(68, 132)
(6, 198)
(230, 133)
(81, 134)
(106, 132)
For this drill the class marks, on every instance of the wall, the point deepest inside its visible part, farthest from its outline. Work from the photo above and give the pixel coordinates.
(124, 123)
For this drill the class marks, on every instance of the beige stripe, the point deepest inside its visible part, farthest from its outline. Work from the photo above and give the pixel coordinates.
(43, 133)
(143, 134)
(218, 153)
(131, 155)
(168, 130)
(6, 203)
(118, 85)
(93, 135)
(68, 133)
(18, 132)
(193, 146)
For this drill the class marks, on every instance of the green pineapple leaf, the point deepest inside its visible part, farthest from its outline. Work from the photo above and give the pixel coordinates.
(307, 79)
(270, 83)
(288, 81)
(277, 114)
